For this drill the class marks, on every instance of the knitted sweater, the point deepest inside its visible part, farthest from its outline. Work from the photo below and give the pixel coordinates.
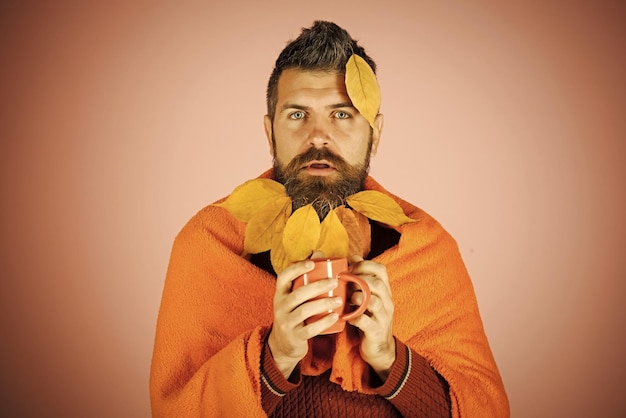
(209, 356)
(413, 388)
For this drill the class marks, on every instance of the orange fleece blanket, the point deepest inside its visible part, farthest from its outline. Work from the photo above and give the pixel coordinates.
(216, 310)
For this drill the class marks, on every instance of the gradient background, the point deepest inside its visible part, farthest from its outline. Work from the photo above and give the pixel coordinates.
(120, 120)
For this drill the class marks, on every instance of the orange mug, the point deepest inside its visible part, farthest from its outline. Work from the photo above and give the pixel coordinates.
(335, 267)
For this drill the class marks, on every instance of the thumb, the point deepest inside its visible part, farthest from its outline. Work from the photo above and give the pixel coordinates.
(355, 259)
(317, 254)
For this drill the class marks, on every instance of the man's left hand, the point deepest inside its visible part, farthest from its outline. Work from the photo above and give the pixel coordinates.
(378, 346)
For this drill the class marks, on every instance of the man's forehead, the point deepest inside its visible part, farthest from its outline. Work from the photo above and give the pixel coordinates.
(295, 83)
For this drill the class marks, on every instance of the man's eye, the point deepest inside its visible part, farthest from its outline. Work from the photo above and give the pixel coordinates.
(342, 115)
(297, 115)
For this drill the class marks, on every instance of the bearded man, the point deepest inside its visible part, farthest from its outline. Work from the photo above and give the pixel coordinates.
(231, 335)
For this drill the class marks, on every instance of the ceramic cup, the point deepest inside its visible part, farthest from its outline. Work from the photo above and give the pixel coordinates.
(335, 267)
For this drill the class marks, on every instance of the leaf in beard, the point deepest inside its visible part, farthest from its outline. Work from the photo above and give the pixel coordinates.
(261, 227)
(333, 237)
(246, 200)
(278, 255)
(363, 88)
(379, 207)
(358, 228)
(302, 233)
(366, 230)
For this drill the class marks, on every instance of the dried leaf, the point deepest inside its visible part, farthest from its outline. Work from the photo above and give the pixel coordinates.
(278, 255)
(262, 226)
(363, 88)
(358, 229)
(247, 199)
(302, 233)
(333, 237)
(379, 207)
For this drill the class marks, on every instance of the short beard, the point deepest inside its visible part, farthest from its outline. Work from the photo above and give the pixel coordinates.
(322, 192)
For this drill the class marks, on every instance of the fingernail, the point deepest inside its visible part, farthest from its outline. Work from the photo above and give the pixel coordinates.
(337, 301)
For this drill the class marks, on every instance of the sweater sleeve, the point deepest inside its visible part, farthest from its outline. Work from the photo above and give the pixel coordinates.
(274, 385)
(414, 387)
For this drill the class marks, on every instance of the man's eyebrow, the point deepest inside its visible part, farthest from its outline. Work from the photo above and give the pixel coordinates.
(302, 107)
(293, 106)
(339, 105)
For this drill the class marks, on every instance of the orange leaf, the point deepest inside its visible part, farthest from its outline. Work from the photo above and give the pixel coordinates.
(302, 233)
(358, 229)
(362, 88)
(379, 207)
(262, 226)
(246, 200)
(333, 237)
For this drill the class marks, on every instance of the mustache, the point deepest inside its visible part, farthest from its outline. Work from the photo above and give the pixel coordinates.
(313, 154)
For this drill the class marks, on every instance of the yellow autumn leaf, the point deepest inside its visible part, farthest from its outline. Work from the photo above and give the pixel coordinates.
(302, 233)
(379, 207)
(358, 228)
(262, 226)
(278, 256)
(363, 88)
(246, 200)
(333, 237)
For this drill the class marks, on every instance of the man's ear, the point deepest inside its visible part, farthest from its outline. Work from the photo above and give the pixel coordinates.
(267, 122)
(376, 133)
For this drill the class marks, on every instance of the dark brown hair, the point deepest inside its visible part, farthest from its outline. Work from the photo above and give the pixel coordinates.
(323, 47)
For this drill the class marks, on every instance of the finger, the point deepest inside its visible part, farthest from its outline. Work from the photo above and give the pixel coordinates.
(362, 267)
(365, 323)
(377, 287)
(370, 268)
(312, 290)
(315, 307)
(376, 319)
(375, 307)
(287, 276)
(380, 304)
(373, 269)
(317, 327)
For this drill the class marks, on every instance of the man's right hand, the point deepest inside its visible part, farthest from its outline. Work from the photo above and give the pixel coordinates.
(288, 340)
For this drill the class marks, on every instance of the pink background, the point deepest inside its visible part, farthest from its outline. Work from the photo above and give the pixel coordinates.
(120, 120)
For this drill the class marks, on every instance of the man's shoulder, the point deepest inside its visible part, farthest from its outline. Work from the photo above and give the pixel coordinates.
(213, 223)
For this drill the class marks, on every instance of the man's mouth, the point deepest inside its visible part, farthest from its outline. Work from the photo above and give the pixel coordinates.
(318, 164)
(319, 168)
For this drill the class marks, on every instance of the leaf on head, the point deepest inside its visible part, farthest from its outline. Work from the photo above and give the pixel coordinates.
(362, 87)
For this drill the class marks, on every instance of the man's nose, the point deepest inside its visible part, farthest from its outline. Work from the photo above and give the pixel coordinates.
(319, 136)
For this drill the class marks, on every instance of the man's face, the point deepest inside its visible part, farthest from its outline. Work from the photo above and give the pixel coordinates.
(320, 143)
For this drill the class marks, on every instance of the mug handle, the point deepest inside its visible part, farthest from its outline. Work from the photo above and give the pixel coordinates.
(366, 295)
